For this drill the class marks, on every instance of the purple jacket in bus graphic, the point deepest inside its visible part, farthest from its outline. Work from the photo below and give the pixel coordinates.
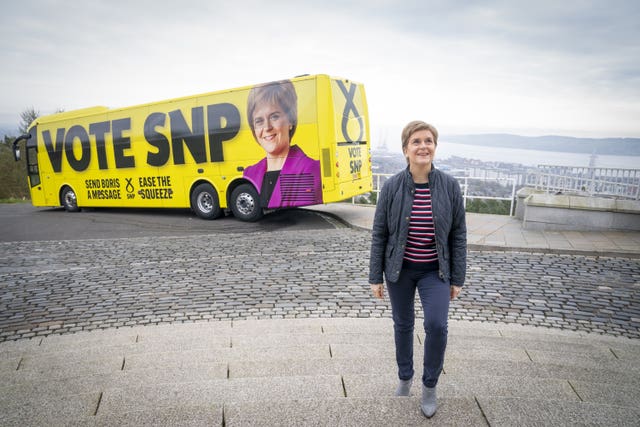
(296, 184)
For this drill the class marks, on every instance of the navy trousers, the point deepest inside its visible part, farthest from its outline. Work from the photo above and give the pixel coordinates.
(434, 296)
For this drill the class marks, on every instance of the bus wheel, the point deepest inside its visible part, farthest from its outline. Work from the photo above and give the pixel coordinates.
(205, 203)
(245, 203)
(68, 200)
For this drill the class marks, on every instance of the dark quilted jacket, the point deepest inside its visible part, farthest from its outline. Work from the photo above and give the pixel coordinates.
(391, 227)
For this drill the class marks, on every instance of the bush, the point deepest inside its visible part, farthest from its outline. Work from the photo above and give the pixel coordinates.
(366, 199)
(488, 206)
(13, 175)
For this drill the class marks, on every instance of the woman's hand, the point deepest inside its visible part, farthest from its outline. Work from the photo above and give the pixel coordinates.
(378, 290)
(455, 291)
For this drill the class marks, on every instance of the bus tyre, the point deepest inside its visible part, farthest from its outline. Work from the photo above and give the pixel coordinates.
(205, 202)
(68, 200)
(245, 203)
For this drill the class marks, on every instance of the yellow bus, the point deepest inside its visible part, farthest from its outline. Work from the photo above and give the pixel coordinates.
(295, 142)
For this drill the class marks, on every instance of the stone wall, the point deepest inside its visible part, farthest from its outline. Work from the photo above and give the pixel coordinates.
(542, 211)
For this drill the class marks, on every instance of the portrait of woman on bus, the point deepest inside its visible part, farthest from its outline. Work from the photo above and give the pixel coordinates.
(286, 177)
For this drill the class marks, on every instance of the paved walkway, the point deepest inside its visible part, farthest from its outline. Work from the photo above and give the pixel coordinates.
(501, 232)
(316, 371)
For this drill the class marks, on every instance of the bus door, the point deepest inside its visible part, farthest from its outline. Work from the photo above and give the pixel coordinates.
(31, 153)
(35, 173)
(32, 165)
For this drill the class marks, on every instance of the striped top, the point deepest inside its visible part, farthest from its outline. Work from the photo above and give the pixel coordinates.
(420, 252)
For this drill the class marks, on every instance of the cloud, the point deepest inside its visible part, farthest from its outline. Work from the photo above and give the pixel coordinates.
(496, 66)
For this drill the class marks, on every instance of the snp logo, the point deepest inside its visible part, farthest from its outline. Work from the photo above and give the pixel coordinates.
(350, 112)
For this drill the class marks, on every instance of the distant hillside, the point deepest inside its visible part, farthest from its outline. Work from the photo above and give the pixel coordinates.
(611, 146)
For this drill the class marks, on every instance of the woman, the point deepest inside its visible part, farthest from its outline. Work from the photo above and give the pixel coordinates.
(286, 176)
(419, 241)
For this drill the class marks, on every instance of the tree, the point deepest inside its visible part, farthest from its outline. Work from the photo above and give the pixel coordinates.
(26, 118)
(12, 173)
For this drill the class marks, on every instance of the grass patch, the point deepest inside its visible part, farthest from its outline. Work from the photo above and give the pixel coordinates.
(11, 200)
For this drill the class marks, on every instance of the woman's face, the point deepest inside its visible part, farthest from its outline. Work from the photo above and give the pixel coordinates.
(271, 126)
(421, 148)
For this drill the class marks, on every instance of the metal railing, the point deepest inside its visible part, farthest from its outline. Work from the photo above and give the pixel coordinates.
(588, 181)
(464, 184)
(379, 178)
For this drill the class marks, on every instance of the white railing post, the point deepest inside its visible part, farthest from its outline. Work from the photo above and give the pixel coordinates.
(466, 192)
(513, 198)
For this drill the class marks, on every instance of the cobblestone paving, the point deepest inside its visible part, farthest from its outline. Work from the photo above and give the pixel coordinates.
(67, 286)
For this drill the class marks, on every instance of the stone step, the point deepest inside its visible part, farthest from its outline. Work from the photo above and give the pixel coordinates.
(281, 339)
(203, 393)
(13, 349)
(457, 342)
(81, 340)
(376, 411)
(310, 367)
(10, 363)
(211, 415)
(251, 335)
(55, 367)
(41, 409)
(19, 384)
(140, 390)
(290, 371)
(225, 355)
(530, 412)
(334, 411)
(380, 411)
(457, 386)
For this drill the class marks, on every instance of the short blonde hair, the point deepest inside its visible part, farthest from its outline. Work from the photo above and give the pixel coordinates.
(415, 126)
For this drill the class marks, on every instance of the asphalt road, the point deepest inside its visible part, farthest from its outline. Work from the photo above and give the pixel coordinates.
(23, 222)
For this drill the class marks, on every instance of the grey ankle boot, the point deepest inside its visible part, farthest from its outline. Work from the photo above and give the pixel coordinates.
(428, 403)
(404, 386)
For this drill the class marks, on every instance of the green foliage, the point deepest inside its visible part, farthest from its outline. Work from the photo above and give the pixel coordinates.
(26, 118)
(488, 206)
(366, 199)
(13, 201)
(373, 198)
(13, 175)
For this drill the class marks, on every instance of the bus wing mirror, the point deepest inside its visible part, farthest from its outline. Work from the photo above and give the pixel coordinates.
(16, 147)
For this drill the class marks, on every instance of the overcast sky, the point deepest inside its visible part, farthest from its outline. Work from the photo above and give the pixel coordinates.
(527, 67)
